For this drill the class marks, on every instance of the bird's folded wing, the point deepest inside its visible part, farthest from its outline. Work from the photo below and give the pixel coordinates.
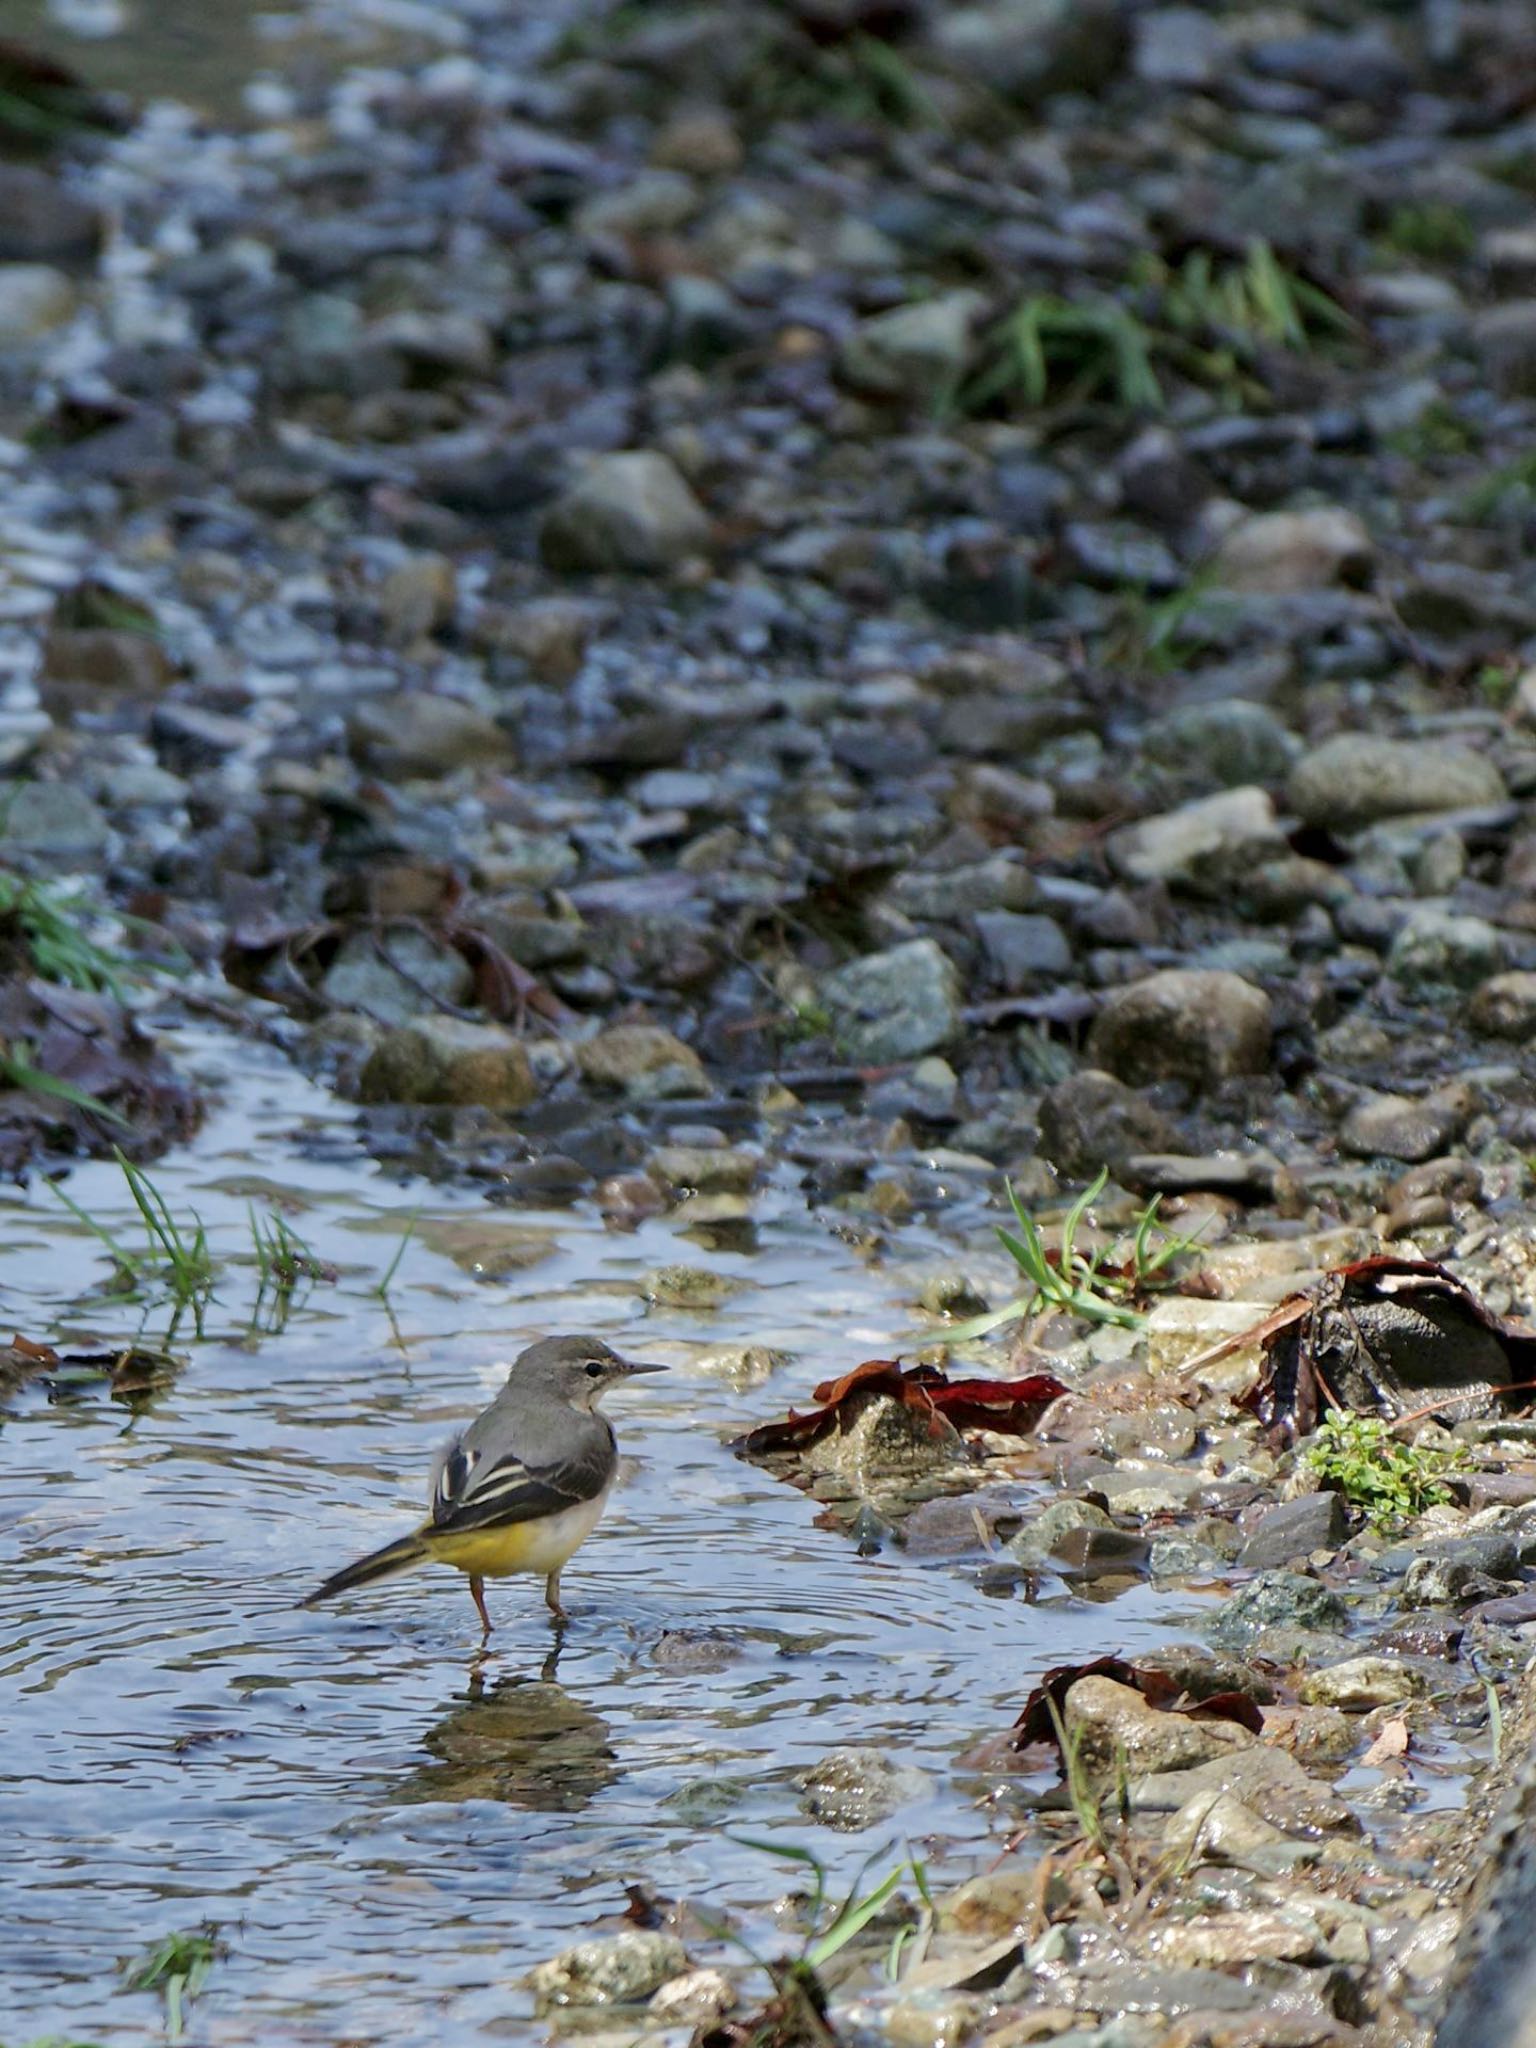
(482, 1493)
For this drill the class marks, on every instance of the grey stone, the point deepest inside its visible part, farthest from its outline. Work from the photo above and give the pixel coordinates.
(1294, 1529)
(913, 351)
(1022, 950)
(1179, 46)
(1408, 1127)
(705, 1169)
(55, 819)
(409, 733)
(394, 979)
(1361, 1683)
(1437, 948)
(1109, 1722)
(895, 1005)
(444, 1060)
(1356, 778)
(611, 1969)
(854, 1788)
(946, 894)
(1035, 1544)
(1505, 1006)
(1505, 340)
(1277, 1599)
(42, 223)
(34, 300)
(1285, 552)
(1265, 1779)
(1183, 1024)
(881, 1445)
(643, 1062)
(1200, 841)
(1232, 743)
(631, 511)
(1091, 1120)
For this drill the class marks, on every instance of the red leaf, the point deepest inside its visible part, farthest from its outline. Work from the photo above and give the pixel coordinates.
(1011, 1407)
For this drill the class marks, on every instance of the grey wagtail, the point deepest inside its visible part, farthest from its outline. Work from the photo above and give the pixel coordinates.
(524, 1485)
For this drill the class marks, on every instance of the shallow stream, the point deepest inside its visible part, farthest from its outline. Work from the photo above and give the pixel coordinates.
(389, 1828)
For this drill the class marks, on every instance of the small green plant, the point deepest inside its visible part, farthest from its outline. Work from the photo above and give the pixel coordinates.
(1508, 491)
(796, 2015)
(1077, 1282)
(1387, 1480)
(1257, 300)
(177, 1968)
(1057, 350)
(49, 927)
(285, 1262)
(1432, 229)
(176, 1262)
(864, 81)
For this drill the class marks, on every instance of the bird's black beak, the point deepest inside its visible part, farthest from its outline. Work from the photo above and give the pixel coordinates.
(630, 1366)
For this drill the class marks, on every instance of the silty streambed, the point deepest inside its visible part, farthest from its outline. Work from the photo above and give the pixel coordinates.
(387, 1835)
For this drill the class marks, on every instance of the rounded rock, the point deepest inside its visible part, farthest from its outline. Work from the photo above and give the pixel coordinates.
(1201, 1025)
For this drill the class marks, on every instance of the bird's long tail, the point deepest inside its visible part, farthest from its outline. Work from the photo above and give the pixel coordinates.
(403, 1555)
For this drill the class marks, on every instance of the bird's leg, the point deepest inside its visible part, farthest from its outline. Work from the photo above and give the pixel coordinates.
(552, 1596)
(477, 1594)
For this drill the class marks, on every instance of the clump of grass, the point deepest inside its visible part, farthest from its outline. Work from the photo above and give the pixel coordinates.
(177, 1968)
(1051, 349)
(1387, 1480)
(175, 1263)
(796, 2014)
(1255, 300)
(285, 1263)
(1070, 1280)
(49, 927)
(1505, 492)
(1432, 229)
(864, 81)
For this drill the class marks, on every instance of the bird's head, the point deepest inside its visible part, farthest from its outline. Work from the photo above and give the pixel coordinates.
(576, 1370)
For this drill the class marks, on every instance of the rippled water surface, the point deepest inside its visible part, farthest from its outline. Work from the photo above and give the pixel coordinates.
(388, 1828)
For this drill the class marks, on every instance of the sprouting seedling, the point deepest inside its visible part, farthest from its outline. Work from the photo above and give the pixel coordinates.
(177, 1968)
(176, 1261)
(285, 1262)
(1075, 1282)
(798, 2010)
(387, 1279)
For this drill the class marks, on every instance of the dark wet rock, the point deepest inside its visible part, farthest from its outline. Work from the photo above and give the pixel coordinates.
(1091, 1120)
(40, 222)
(90, 668)
(951, 1294)
(1294, 1529)
(444, 1060)
(1422, 1634)
(1035, 1544)
(1100, 1553)
(631, 511)
(1111, 1722)
(1438, 948)
(1278, 1600)
(1505, 339)
(1196, 1025)
(611, 1969)
(1247, 1177)
(693, 1288)
(410, 733)
(705, 1169)
(1021, 950)
(1501, 1489)
(643, 1062)
(1028, 48)
(850, 1789)
(895, 1005)
(1504, 1005)
(1407, 1127)
(1357, 778)
(956, 1526)
(1201, 844)
(1281, 552)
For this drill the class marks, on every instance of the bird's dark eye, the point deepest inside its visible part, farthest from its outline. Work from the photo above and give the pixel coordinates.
(595, 1368)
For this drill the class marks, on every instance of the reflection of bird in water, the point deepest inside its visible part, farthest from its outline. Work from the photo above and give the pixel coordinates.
(526, 1742)
(524, 1485)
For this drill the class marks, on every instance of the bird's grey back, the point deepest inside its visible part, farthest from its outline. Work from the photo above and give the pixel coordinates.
(534, 1424)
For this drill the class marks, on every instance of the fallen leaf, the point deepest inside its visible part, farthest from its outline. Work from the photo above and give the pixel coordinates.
(1039, 1723)
(1390, 1745)
(1009, 1407)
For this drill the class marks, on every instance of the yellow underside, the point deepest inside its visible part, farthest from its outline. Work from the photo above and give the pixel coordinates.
(497, 1553)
